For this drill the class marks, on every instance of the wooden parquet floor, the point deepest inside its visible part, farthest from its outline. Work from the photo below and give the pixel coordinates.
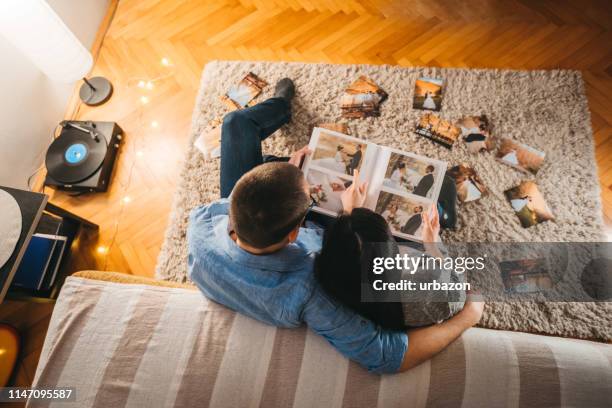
(519, 34)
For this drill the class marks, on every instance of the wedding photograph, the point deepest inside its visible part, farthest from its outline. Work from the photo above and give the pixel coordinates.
(525, 276)
(469, 185)
(362, 99)
(529, 204)
(476, 132)
(326, 189)
(520, 156)
(428, 94)
(411, 175)
(439, 130)
(338, 154)
(402, 213)
(240, 95)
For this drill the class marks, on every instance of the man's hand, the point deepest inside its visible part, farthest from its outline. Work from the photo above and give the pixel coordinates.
(426, 342)
(355, 195)
(297, 157)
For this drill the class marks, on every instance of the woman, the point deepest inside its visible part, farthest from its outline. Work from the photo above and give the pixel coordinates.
(335, 163)
(349, 247)
(429, 102)
(398, 176)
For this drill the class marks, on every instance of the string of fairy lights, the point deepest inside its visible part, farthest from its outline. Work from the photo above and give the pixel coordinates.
(145, 88)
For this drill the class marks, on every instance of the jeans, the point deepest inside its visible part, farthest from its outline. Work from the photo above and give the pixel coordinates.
(241, 135)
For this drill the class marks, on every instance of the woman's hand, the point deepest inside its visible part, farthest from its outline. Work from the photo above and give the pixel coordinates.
(430, 225)
(355, 195)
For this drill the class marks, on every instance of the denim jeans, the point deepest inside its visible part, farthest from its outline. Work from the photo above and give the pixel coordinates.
(241, 135)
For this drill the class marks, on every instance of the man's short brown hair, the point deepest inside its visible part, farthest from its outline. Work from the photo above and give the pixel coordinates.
(267, 203)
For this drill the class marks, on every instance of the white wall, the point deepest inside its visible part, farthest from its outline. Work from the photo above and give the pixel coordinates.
(31, 105)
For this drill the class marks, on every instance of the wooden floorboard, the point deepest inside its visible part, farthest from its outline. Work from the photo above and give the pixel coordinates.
(519, 34)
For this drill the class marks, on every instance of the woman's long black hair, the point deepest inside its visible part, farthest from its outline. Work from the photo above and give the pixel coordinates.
(338, 267)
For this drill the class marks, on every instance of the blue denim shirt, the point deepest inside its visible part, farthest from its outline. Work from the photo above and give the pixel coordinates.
(280, 289)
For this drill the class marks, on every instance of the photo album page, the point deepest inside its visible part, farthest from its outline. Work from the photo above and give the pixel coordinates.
(401, 185)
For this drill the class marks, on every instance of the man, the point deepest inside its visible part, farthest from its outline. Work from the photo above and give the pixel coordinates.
(251, 254)
(425, 183)
(355, 161)
(414, 222)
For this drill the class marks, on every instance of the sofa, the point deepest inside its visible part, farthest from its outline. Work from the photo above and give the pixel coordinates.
(124, 341)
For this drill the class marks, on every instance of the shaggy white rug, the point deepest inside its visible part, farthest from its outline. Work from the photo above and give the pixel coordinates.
(547, 110)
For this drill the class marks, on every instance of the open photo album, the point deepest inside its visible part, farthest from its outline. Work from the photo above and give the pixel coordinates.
(401, 185)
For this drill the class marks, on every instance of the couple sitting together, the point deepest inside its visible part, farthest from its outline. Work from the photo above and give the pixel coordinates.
(253, 252)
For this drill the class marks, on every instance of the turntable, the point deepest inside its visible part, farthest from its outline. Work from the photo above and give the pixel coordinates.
(82, 157)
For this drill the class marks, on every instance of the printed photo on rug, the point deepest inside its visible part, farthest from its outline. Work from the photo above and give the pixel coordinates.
(338, 154)
(209, 141)
(402, 213)
(326, 189)
(476, 132)
(362, 99)
(520, 156)
(242, 94)
(428, 94)
(439, 130)
(529, 204)
(469, 185)
(414, 175)
(525, 276)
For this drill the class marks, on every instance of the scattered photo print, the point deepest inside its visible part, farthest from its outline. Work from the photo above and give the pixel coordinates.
(362, 99)
(403, 214)
(242, 94)
(469, 185)
(528, 204)
(520, 156)
(428, 94)
(338, 154)
(411, 175)
(525, 276)
(439, 130)
(326, 189)
(476, 132)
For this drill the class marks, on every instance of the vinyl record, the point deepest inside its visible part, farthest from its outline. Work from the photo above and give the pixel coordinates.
(75, 156)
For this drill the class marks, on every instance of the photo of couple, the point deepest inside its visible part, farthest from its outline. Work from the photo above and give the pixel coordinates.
(362, 99)
(469, 185)
(338, 154)
(428, 94)
(403, 214)
(520, 156)
(476, 132)
(528, 204)
(326, 189)
(410, 175)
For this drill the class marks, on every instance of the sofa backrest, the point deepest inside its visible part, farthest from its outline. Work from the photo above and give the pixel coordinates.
(139, 345)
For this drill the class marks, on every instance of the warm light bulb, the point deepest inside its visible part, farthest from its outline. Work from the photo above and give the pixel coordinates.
(127, 199)
(149, 85)
(165, 62)
(154, 124)
(141, 84)
(139, 153)
(102, 249)
(144, 100)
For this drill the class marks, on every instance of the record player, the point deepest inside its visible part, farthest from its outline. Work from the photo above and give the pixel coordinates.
(82, 157)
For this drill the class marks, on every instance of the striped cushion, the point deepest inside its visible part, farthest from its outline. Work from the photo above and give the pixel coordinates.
(143, 346)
